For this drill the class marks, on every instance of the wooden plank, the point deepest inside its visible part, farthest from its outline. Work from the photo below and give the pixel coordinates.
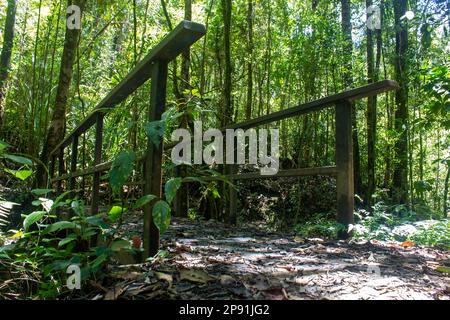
(303, 172)
(344, 163)
(178, 40)
(317, 105)
(154, 156)
(102, 167)
(97, 160)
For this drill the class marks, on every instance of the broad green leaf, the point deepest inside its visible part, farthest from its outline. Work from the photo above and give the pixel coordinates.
(97, 221)
(116, 213)
(18, 159)
(20, 174)
(143, 201)
(161, 215)
(194, 179)
(59, 265)
(121, 169)
(41, 192)
(68, 239)
(120, 244)
(60, 225)
(3, 146)
(98, 261)
(171, 188)
(155, 131)
(33, 218)
(443, 269)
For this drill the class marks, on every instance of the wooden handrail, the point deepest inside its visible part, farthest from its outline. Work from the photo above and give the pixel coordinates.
(177, 41)
(317, 105)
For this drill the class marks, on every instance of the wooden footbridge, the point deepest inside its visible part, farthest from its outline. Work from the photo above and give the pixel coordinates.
(155, 67)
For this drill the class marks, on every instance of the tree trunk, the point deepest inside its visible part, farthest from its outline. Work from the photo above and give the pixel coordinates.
(446, 189)
(371, 117)
(5, 58)
(181, 202)
(348, 83)
(400, 177)
(228, 105)
(58, 123)
(248, 108)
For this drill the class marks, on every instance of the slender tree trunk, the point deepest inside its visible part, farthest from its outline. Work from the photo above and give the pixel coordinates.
(248, 108)
(228, 104)
(446, 189)
(371, 115)
(5, 57)
(176, 90)
(348, 83)
(58, 123)
(400, 178)
(182, 198)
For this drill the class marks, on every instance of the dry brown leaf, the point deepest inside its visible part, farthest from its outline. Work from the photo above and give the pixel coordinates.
(164, 277)
(115, 292)
(407, 244)
(195, 275)
(226, 280)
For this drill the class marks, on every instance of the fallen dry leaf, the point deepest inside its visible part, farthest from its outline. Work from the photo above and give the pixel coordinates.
(195, 275)
(115, 292)
(407, 244)
(164, 277)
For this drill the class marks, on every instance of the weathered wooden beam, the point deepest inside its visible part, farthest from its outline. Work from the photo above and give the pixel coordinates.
(177, 41)
(97, 160)
(344, 163)
(154, 157)
(303, 172)
(317, 105)
(102, 167)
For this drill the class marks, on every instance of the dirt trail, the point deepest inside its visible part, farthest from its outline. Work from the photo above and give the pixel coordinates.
(210, 260)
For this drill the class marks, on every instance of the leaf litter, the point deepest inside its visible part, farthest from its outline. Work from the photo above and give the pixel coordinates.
(211, 260)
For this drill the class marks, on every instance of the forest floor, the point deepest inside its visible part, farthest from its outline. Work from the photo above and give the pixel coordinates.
(210, 260)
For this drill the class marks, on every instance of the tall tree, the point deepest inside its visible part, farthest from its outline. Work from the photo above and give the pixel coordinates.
(182, 199)
(249, 102)
(58, 123)
(227, 104)
(348, 83)
(5, 58)
(371, 113)
(400, 177)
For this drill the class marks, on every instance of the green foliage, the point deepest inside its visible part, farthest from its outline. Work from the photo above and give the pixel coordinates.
(24, 172)
(116, 213)
(161, 215)
(171, 188)
(397, 223)
(121, 169)
(321, 226)
(48, 250)
(141, 202)
(155, 131)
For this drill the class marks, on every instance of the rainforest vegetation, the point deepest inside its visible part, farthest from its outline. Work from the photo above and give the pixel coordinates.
(256, 58)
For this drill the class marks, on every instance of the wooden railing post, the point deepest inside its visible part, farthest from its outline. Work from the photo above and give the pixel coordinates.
(153, 157)
(233, 169)
(73, 163)
(97, 160)
(344, 164)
